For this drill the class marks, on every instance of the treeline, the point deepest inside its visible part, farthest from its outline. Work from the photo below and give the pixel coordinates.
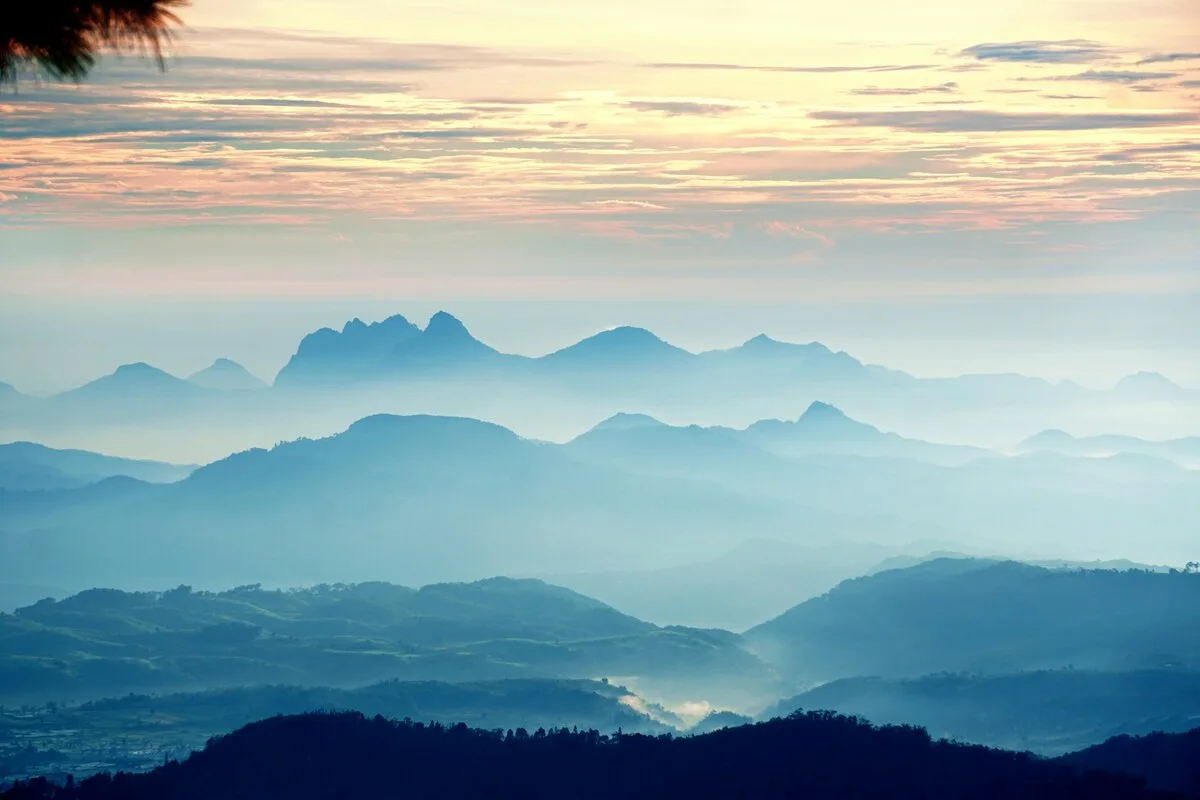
(810, 755)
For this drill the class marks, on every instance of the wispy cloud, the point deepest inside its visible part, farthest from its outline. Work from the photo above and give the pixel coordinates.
(1066, 51)
(886, 91)
(809, 69)
(1169, 58)
(955, 121)
(679, 108)
(1115, 76)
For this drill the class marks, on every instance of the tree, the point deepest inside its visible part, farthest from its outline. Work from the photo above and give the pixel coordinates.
(62, 38)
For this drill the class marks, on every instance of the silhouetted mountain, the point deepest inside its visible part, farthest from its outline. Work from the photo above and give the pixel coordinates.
(962, 615)
(1049, 712)
(813, 756)
(84, 646)
(1166, 761)
(226, 375)
(382, 351)
(823, 428)
(1184, 451)
(620, 348)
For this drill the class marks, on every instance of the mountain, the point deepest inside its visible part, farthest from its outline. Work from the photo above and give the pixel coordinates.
(823, 428)
(624, 348)
(83, 647)
(1048, 712)
(821, 756)
(27, 466)
(132, 393)
(987, 617)
(1167, 761)
(133, 380)
(226, 375)
(813, 361)
(410, 498)
(381, 351)
(1149, 386)
(1185, 451)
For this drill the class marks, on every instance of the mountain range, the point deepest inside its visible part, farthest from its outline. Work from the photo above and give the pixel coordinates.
(421, 499)
(395, 366)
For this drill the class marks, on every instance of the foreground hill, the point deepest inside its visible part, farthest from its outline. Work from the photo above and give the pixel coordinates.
(963, 615)
(1169, 762)
(137, 732)
(26, 466)
(106, 642)
(1049, 712)
(813, 756)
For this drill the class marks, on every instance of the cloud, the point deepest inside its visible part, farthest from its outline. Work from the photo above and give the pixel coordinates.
(882, 91)
(1066, 51)
(279, 102)
(1115, 76)
(1190, 84)
(1135, 153)
(679, 108)
(1070, 97)
(959, 121)
(1169, 58)
(817, 69)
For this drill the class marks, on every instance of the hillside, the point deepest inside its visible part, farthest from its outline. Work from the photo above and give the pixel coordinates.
(814, 756)
(108, 643)
(986, 617)
(1168, 762)
(137, 732)
(1049, 712)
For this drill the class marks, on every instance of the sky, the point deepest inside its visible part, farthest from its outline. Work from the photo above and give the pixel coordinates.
(940, 185)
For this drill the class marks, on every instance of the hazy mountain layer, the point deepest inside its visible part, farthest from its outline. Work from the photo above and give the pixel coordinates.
(987, 617)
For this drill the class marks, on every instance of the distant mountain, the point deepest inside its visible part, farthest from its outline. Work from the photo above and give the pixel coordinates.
(1149, 386)
(825, 429)
(226, 375)
(1167, 761)
(820, 756)
(1185, 451)
(962, 615)
(386, 350)
(132, 392)
(622, 347)
(351, 635)
(420, 498)
(138, 379)
(26, 466)
(814, 361)
(1049, 712)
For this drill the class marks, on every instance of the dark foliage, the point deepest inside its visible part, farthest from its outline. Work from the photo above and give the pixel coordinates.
(61, 38)
(1169, 761)
(815, 755)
